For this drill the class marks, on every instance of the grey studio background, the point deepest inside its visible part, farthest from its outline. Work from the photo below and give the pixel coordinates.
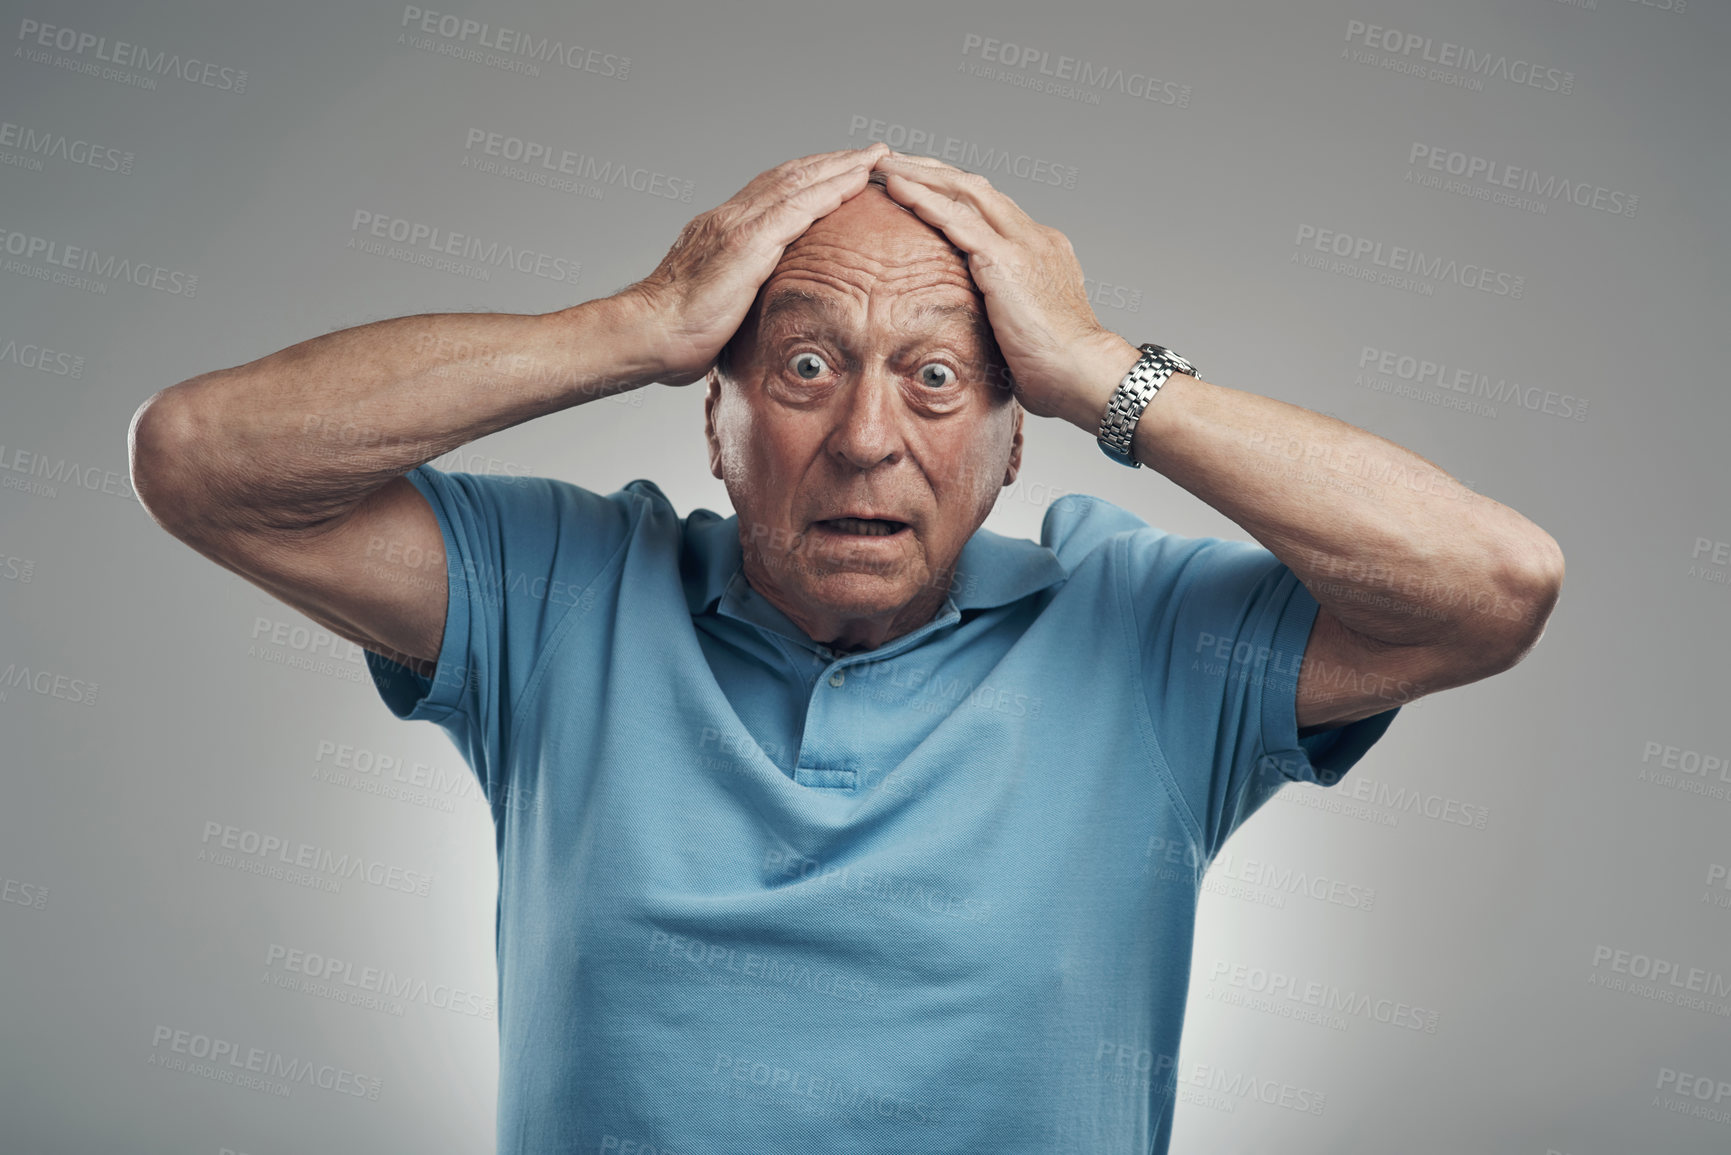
(1494, 233)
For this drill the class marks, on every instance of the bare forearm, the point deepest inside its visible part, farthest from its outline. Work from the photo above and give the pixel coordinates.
(301, 436)
(1392, 545)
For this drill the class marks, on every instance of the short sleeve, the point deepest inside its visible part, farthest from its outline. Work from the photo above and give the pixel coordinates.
(521, 553)
(1222, 629)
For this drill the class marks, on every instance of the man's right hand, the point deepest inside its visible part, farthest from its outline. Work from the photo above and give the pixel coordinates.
(289, 470)
(695, 300)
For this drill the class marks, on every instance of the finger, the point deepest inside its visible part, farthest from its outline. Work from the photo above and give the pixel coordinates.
(782, 222)
(967, 229)
(1005, 214)
(825, 163)
(975, 190)
(865, 152)
(800, 172)
(994, 261)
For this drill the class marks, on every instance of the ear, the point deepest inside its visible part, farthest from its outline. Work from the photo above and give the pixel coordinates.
(1015, 444)
(711, 397)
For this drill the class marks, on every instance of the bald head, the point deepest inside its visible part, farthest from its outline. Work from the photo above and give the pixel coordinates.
(862, 424)
(868, 232)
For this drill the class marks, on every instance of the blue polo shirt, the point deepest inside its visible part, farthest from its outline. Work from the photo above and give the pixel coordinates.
(758, 895)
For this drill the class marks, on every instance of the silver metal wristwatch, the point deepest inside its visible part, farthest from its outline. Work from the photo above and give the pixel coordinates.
(1124, 410)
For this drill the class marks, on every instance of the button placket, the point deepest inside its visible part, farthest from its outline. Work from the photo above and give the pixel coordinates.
(828, 775)
(813, 768)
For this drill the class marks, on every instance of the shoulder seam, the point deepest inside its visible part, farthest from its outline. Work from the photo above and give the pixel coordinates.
(1131, 635)
(560, 631)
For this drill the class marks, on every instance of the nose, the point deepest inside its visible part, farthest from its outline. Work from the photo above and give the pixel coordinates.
(868, 417)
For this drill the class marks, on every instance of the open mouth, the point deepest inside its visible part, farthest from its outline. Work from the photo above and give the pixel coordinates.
(863, 526)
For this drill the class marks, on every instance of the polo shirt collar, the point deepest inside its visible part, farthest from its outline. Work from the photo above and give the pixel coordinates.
(993, 570)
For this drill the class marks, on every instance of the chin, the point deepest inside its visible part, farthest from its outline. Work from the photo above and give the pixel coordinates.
(862, 595)
(853, 591)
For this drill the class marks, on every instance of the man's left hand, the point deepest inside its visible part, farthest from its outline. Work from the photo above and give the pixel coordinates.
(1063, 362)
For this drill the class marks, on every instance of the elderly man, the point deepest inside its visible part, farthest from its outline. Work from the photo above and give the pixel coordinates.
(842, 823)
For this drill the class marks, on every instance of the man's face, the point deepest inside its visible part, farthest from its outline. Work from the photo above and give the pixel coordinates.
(865, 382)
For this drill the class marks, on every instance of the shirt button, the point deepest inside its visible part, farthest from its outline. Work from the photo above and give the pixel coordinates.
(837, 678)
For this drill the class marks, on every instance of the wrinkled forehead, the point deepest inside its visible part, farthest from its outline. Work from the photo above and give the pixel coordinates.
(841, 305)
(873, 264)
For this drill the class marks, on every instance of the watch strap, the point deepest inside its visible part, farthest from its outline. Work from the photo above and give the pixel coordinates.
(1134, 392)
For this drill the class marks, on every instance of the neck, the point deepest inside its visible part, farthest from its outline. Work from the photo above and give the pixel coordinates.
(837, 627)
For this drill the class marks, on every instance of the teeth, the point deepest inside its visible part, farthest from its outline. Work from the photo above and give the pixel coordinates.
(862, 526)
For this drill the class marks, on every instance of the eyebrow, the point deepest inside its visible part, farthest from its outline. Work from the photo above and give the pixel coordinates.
(792, 299)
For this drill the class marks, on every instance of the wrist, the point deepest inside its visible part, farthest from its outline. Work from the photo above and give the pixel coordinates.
(609, 345)
(1099, 371)
(1138, 424)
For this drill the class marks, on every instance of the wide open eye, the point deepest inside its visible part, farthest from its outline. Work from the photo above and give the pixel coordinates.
(807, 365)
(936, 374)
